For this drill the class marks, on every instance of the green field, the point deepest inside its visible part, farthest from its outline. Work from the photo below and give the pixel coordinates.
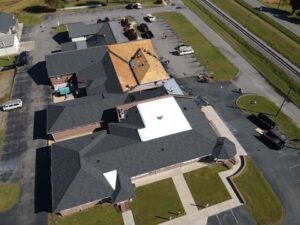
(279, 41)
(104, 214)
(6, 61)
(206, 186)
(260, 199)
(205, 52)
(61, 28)
(265, 67)
(9, 195)
(263, 105)
(155, 203)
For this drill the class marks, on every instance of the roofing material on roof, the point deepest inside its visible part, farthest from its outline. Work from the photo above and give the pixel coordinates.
(136, 63)
(6, 22)
(161, 117)
(79, 164)
(224, 149)
(7, 40)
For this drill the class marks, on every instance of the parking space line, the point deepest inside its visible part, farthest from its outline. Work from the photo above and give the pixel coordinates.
(237, 222)
(294, 166)
(219, 220)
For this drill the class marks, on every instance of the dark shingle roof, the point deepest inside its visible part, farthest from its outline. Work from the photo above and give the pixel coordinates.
(79, 112)
(122, 150)
(224, 149)
(70, 62)
(100, 33)
(6, 21)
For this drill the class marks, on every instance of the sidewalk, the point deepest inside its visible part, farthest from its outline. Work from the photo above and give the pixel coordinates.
(185, 195)
(128, 218)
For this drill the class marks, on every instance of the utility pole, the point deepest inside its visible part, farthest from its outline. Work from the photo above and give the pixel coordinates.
(284, 100)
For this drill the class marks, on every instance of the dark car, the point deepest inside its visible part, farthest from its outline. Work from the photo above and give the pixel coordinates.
(130, 6)
(22, 59)
(148, 34)
(143, 27)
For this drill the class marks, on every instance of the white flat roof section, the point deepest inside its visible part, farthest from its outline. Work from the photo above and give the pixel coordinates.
(161, 118)
(111, 177)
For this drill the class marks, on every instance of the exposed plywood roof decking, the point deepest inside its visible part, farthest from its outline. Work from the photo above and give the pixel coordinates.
(136, 63)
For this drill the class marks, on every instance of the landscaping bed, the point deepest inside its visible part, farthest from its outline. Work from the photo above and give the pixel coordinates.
(9, 195)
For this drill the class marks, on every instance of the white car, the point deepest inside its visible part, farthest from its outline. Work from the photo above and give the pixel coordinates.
(150, 17)
(185, 50)
(138, 5)
(13, 104)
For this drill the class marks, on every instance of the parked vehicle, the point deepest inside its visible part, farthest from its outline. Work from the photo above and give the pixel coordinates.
(148, 34)
(13, 104)
(185, 50)
(130, 6)
(150, 17)
(22, 59)
(143, 27)
(138, 5)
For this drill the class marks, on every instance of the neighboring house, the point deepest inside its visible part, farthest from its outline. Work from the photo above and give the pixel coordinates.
(9, 40)
(151, 136)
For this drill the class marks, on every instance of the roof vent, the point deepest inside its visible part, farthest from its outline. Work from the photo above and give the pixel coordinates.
(160, 117)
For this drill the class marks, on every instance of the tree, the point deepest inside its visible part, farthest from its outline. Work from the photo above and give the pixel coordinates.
(295, 4)
(53, 3)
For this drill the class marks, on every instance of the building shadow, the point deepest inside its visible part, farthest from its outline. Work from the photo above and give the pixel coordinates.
(42, 190)
(38, 9)
(253, 118)
(61, 37)
(280, 14)
(40, 124)
(38, 73)
(267, 142)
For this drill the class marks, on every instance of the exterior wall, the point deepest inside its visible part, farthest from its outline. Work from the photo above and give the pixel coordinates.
(13, 50)
(79, 208)
(76, 132)
(78, 39)
(60, 81)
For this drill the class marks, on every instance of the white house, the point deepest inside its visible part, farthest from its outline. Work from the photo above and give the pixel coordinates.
(9, 39)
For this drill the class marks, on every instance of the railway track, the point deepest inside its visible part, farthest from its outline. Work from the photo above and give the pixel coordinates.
(284, 63)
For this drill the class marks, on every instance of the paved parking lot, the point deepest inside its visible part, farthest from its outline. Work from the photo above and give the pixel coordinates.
(280, 168)
(235, 216)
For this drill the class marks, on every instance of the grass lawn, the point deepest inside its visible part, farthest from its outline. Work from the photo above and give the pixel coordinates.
(61, 28)
(9, 195)
(155, 203)
(5, 61)
(265, 67)
(262, 202)
(205, 52)
(278, 40)
(104, 214)
(206, 186)
(21, 8)
(264, 105)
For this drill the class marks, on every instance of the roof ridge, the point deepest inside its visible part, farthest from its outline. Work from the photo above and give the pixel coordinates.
(88, 147)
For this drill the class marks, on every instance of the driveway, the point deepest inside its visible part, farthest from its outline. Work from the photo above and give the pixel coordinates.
(280, 168)
(24, 139)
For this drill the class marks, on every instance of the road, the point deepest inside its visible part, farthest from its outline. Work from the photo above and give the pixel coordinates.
(292, 70)
(277, 15)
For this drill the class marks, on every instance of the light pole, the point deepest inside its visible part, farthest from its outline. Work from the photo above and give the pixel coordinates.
(284, 100)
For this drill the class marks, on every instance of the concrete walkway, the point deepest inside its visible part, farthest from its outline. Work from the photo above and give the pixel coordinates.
(275, 15)
(185, 195)
(128, 218)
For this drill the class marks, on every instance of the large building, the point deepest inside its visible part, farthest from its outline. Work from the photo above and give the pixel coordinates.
(148, 137)
(9, 37)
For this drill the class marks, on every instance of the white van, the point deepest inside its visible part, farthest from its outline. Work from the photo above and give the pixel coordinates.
(14, 104)
(185, 50)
